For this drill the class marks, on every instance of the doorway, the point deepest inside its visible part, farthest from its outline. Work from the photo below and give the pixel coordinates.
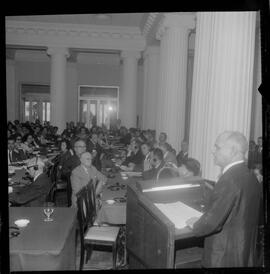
(98, 105)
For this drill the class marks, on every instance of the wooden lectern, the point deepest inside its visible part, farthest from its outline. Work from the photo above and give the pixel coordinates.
(151, 237)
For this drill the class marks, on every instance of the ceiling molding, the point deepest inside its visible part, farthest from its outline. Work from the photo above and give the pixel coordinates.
(72, 35)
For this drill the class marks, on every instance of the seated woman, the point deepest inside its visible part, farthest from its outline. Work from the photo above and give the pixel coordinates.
(29, 144)
(190, 168)
(65, 154)
(168, 154)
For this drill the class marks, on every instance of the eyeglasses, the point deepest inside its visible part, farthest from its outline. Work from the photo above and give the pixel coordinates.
(80, 146)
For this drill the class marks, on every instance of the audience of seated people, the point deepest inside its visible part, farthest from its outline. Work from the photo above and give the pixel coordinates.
(141, 153)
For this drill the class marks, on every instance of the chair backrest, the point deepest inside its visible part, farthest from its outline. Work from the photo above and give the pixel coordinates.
(91, 200)
(84, 216)
(168, 171)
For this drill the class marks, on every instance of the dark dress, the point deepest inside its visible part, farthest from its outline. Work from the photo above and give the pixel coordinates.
(231, 220)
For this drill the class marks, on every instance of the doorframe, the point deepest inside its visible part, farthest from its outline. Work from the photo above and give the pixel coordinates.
(97, 98)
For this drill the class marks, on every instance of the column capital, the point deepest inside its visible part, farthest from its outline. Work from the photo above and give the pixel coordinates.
(152, 50)
(132, 54)
(175, 20)
(58, 50)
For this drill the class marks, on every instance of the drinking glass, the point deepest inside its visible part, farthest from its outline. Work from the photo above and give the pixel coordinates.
(48, 211)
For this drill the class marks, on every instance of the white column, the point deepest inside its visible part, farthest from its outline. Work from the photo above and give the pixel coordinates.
(171, 100)
(151, 80)
(128, 98)
(11, 90)
(222, 81)
(258, 96)
(72, 92)
(58, 86)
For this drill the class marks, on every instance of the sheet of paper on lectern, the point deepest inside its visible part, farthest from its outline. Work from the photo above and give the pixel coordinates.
(178, 213)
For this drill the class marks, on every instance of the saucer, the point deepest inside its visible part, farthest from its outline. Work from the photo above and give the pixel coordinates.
(22, 222)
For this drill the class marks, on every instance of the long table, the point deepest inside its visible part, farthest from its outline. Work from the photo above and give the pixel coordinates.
(115, 190)
(43, 245)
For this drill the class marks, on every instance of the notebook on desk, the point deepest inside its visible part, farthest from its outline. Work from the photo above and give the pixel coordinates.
(178, 213)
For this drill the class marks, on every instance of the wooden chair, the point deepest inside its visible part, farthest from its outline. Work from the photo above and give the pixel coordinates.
(169, 170)
(90, 235)
(60, 183)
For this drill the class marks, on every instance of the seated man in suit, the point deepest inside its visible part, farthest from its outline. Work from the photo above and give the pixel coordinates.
(34, 194)
(82, 175)
(74, 160)
(14, 153)
(146, 151)
(168, 155)
(156, 162)
(183, 154)
(96, 150)
(135, 160)
(258, 151)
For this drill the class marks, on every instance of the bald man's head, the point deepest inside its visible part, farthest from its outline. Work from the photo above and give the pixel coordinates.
(86, 159)
(230, 146)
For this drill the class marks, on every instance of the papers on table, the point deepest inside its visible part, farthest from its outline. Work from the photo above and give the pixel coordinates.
(160, 188)
(178, 213)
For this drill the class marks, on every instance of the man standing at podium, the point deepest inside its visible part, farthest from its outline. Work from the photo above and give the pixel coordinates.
(230, 221)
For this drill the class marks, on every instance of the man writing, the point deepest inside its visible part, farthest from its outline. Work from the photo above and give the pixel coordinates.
(230, 221)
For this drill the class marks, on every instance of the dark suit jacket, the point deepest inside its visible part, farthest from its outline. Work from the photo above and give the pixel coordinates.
(137, 159)
(231, 219)
(70, 164)
(96, 161)
(34, 194)
(181, 158)
(257, 156)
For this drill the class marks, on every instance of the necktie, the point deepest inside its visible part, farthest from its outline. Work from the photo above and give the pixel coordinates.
(10, 156)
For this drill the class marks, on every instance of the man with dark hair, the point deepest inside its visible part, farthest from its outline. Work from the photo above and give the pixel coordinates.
(156, 162)
(183, 154)
(191, 167)
(230, 221)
